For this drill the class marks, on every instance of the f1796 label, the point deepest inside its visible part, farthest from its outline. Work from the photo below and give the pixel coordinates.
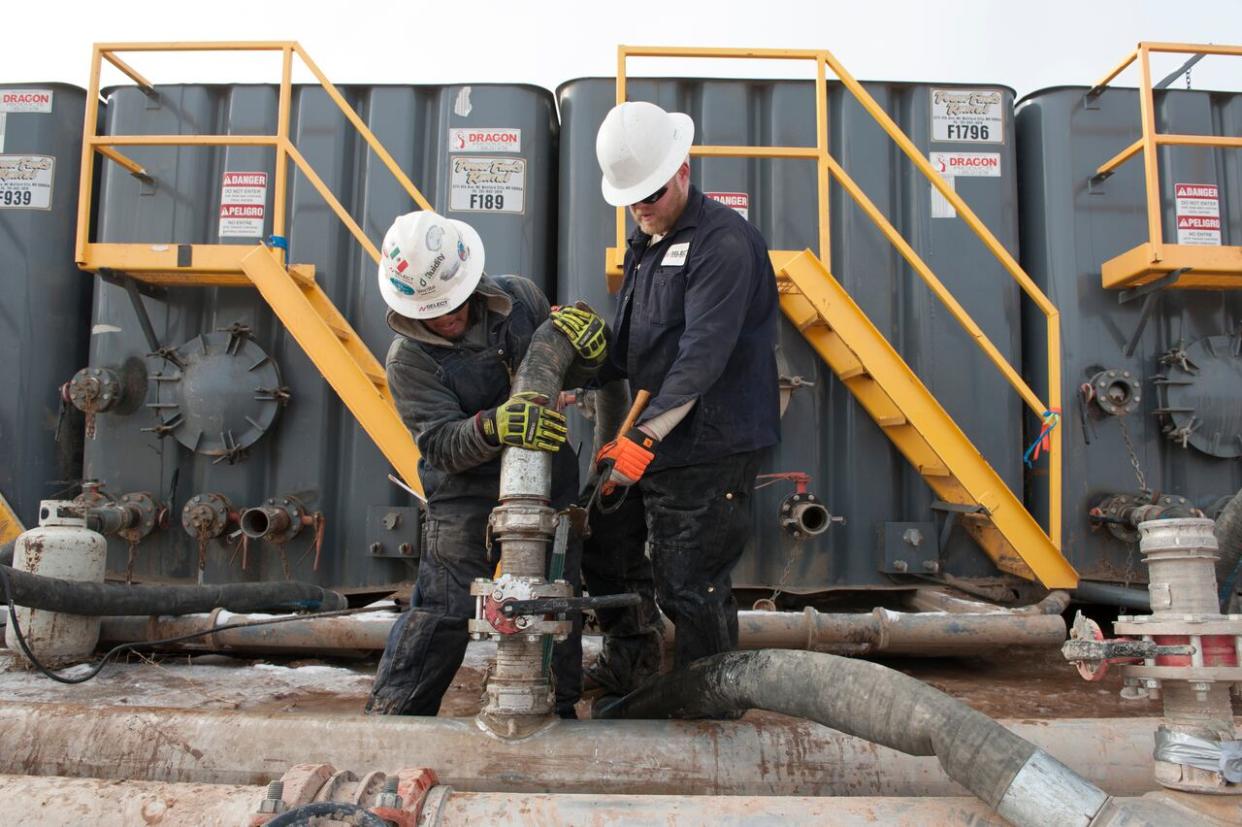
(968, 116)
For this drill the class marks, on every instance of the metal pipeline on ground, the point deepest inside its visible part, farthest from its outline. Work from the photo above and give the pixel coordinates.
(30, 801)
(1024, 784)
(917, 634)
(773, 756)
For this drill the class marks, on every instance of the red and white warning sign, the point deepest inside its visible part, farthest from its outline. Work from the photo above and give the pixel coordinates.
(967, 164)
(739, 201)
(485, 140)
(243, 204)
(1198, 214)
(26, 100)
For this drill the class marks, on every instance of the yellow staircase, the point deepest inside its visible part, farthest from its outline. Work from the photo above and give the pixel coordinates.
(302, 306)
(867, 364)
(910, 416)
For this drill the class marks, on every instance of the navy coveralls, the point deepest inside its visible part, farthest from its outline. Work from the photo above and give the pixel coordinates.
(438, 388)
(696, 321)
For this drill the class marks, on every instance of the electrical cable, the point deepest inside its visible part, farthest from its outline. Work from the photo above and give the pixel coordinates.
(116, 650)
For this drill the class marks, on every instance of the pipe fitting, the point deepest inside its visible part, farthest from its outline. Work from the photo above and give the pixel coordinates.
(207, 515)
(803, 515)
(278, 520)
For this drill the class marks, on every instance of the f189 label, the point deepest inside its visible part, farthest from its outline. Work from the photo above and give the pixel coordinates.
(495, 185)
(968, 116)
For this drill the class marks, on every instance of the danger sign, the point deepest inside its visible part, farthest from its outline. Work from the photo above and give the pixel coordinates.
(738, 201)
(243, 204)
(485, 140)
(1198, 214)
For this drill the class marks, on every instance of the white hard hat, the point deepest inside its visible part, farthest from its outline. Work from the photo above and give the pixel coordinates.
(429, 264)
(639, 147)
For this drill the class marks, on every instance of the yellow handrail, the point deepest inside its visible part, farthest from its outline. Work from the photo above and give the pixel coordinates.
(828, 169)
(286, 151)
(1150, 138)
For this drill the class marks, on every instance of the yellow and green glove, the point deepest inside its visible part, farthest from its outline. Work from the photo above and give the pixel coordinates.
(585, 330)
(524, 422)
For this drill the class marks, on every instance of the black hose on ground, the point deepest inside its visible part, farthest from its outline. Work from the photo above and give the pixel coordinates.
(877, 704)
(1229, 539)
(100, 599)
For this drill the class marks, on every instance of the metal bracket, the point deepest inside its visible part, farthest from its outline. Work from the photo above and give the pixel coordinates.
(1149, 292)
(951, 512)
(136, 291)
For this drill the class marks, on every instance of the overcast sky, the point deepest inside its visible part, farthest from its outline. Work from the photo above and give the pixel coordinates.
(1026, 45)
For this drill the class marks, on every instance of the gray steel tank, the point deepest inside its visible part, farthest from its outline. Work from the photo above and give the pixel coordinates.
(289, 446)
(855, 469)
(45, 321)
(1172, 379)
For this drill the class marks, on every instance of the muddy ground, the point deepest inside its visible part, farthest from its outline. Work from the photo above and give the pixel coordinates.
(1015, 684)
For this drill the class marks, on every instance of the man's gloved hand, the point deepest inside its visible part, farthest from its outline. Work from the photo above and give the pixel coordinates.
(585, 331)
(524, 422)
(628, 456)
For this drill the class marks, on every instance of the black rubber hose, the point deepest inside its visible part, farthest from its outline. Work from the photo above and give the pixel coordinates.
(336, 811)
(1111, 594)
(101, 599)
(1229, 539)
(852, 696)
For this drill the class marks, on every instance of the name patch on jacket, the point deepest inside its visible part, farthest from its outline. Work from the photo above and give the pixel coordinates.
(675, 256)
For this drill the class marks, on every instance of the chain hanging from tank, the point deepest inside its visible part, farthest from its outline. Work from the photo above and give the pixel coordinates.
(1134, 460)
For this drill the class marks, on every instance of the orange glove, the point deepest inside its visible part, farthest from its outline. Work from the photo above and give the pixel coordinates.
(627, 457)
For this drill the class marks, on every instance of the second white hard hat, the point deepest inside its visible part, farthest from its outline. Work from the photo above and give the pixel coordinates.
(429, 264)
(639, 147)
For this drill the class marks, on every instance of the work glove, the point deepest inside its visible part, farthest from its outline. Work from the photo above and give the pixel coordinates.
(585, 330)
(524, 422)
(627, 458)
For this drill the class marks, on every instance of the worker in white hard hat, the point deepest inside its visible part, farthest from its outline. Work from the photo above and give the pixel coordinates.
(460, 337)
(695, 326)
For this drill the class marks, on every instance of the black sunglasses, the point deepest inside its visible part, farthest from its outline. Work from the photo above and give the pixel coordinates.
(655, 196)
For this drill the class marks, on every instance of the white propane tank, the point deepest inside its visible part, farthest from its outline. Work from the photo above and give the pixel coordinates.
(62, 547)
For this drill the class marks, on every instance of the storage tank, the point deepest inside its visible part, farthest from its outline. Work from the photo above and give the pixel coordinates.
(61, 547)
(854, 468)
(45, 325)
(1152, 383)
(291, 446)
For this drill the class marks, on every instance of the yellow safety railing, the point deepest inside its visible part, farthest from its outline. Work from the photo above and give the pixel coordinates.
(1150, 138)
(828, 168)
(106, 145)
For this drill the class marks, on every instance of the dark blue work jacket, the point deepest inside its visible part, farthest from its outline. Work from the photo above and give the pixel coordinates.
(696, 320)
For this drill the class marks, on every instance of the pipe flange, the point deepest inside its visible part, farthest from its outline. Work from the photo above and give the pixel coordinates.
(1116, 391)
(206, 515)
(1115, 506)
(145, 515)
(93, 495)
(95, 390)
(278, 520)
(802, 515)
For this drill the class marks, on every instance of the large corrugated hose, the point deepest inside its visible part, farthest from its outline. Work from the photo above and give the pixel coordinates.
(1229, 539)
(1008, 773)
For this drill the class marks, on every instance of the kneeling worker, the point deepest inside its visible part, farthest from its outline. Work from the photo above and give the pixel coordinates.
(460, 338)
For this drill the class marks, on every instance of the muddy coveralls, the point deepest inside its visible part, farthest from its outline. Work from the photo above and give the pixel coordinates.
(696, 321)
(439, 387)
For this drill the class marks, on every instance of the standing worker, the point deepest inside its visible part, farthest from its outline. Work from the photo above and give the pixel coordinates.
(460, 338)
(695, 326)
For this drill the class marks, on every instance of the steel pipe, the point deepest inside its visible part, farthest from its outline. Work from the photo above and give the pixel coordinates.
(30, 801)
(773, 756)
(919, 634)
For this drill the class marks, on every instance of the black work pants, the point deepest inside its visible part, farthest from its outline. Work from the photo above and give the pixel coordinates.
(428, 643)
(698, 523)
